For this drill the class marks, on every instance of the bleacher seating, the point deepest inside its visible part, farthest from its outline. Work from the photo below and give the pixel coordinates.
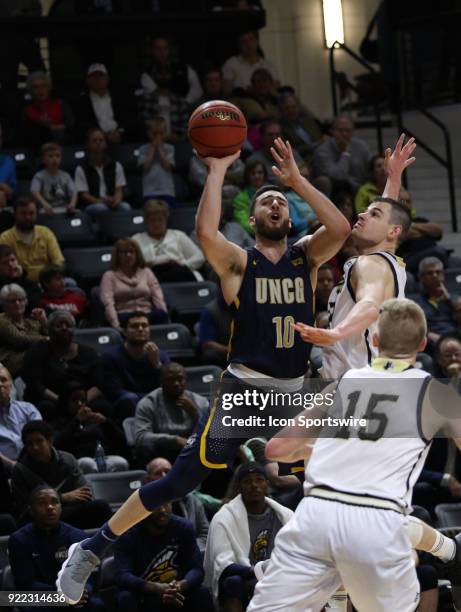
(98, 338)
(448, 515)
(203, 379)
(182, 218)
(121, 224)
(115, 487)
(127, 155)
(25, 160)
(128, 428)
(88, 264)
(71, 231)
(174, 338)
(72, 156)
(453, 280)
(186, 300)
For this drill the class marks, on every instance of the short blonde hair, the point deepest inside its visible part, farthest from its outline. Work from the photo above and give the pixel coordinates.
(156, 206)
(401, 326)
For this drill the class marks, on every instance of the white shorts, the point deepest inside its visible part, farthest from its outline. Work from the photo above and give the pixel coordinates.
(328, 543)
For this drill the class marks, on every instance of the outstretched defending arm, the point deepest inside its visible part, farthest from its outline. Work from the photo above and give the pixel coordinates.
(395, 162)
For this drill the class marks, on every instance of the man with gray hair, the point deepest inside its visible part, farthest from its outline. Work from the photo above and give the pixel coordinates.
(343, 157)
(434, 298)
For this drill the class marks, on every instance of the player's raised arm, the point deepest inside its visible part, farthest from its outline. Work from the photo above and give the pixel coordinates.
(395, 162)
(374, 285)
(327, 240)
(225, 257)
(292, 443)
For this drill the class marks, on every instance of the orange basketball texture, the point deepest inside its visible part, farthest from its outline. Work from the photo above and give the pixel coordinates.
(217, 129)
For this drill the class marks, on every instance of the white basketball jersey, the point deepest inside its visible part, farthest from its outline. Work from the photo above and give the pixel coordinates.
(355, 351)
(384, 457)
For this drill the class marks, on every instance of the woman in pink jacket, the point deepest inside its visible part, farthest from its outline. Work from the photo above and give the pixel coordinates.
(129, 286)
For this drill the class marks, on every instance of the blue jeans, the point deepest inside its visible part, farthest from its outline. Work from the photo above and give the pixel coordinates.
(94, 210)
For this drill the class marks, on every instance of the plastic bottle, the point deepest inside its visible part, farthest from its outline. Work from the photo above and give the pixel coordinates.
(100, 457)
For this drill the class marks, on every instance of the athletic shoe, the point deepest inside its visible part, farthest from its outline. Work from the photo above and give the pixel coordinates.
(260, 568)
(257, 447)
(453, 572)
(75, 571)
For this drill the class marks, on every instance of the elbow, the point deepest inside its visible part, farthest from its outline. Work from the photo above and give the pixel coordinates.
(344, 228)
(274, 448)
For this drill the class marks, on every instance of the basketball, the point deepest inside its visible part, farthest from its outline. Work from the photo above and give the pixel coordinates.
(217, 129)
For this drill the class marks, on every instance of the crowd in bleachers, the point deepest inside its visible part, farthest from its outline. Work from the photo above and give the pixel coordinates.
(112, 327)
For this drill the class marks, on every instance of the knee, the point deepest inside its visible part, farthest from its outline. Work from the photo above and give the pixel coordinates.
(232, 587)
(155, 493)
(87, 465)
(115, 463)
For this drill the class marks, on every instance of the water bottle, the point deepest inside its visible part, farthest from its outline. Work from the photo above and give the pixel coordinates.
(100, 457)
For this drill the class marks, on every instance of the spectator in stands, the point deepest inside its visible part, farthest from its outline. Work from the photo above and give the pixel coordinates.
(41, 464)
(157, 162)
(233, 179)
(299, 126)
(189, 507)
(434, 298)
(129, 286)
(374, 185)
(53, 188)
(259, 102)
(96, 107)
(35, 245)
(456, 312)
(7, 179)
(174, 110)
(343, 157)
(422, 240)
(166, 417)
(214, 332)
(303, 218)
(11, 272)
(46, 118)
(78, 429)
(38, 549)
(242, 534)
(13, 416)
(100, 181)
(170, 253)
(255, 177)
(270, 130)
(232, 230)
(166, 72)
(57, 297)
(325, 284)
(448, 356)
(18, 332)
(158, 566)
(213, 87)
(132, 370)
(238, 69)
(51, 364)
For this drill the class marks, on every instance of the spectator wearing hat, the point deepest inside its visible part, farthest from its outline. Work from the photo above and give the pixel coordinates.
(242, 534)
(57, 297)
(171, 254)
(97, 108)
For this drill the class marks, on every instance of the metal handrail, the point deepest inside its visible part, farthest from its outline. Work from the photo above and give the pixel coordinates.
(333, 76)
(446, 162)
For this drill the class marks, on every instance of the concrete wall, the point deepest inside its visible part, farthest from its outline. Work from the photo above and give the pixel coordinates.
(294, 40)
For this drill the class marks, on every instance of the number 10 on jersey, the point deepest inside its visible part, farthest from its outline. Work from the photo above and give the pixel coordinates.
(284, 331)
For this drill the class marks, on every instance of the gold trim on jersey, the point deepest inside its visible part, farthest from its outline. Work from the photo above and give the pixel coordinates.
(387, 364)
(296, 469)
(203, 459)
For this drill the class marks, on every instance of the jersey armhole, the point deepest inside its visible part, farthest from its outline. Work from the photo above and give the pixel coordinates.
(394, 273)
(419, 408)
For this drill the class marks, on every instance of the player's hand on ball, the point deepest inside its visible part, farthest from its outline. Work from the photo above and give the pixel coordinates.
(316, 335)
(223, 163)
(287, 170)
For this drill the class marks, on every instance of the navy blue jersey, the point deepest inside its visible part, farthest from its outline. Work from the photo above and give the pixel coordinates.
(271, 297)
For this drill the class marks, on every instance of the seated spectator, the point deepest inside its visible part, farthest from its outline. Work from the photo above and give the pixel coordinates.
(7, 186)
(213, 87)
(299, 126)
(259, 102)
(166, 71)
(18, 332)
(422, 240)
(100, 181)
(303, 218)
(158, 567)
(51, 364)
(374, 185)
(233, 179)
(11, 272)
(173, 109)
(157, 162)
(35, 245)
(325, 284)
(214, 332)
(171, 254)
(41, 464)
(46, 118)
(132, 370)
(53, 188)
(13, 416)
(96, 107)
(129, 286)
(78, 430)
(57, 297)
(238, 69)
(241, 534)
(342, 157)
(270, 130)
(37, 550)
(189, 507)
(232, 230)
(255, 176)
(448, 358)
(434, 298)
(166, 417)
(456, 312)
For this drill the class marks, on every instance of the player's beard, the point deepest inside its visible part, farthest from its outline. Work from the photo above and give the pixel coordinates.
(272, 233)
